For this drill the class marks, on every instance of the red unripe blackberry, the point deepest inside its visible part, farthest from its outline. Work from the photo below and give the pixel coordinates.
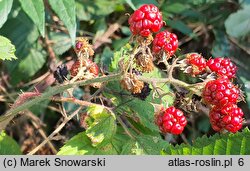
(197, 62)
(145, 20)
(165, 41)
(222, 67)
(90, 65)
(228, 117)
(220, 92)
(172, 121)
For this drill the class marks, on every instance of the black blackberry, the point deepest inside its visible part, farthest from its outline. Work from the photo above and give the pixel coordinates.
(144, 92)
(61, 73)
(136, 72)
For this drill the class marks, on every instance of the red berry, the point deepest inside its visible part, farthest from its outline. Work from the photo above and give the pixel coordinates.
(197, 62)
(222, 67)
(228, 117)
(91, 66)
(172, 121)
(145, 20)
(220, 92)
(165, 41)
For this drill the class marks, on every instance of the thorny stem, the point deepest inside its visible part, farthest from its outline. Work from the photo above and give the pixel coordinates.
(53, 91)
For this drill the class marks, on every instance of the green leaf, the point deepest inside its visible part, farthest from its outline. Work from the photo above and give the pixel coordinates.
(145, 111)
(221, 45)
(22, 33)
(5, 8)
(61, 42)
(37, 58)
(180, 26)
(145, 144)
(124, 52)
(7, 50)
(66, 10)
(218, 144)
(237, 24)
(8, 146)
(134, 4)
(103, 127)
(106, 57)
(80, 144)
(176, 8)
(35, 10)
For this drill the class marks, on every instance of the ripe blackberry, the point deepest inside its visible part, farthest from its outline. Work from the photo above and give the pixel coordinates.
(222, 67)
(145, 91)
(165, 41)
(228, 117)
(220, 92)
(90, 66)
(197, 63)
(145, 20)
(172, 121)
(61, 72)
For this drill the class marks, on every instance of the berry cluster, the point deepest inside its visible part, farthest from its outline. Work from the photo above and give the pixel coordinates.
(223, 95)
(172, 120)
(147, 20)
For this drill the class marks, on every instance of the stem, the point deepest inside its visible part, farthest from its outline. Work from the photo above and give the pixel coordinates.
(53, 91)
(190, 87)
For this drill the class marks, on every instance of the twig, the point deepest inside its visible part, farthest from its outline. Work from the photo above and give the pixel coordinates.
(56, 131)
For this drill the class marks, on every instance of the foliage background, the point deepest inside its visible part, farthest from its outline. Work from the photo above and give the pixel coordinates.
(43, 33)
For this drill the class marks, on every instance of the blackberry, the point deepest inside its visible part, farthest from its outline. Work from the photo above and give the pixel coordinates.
(145, 91)
(60, 74)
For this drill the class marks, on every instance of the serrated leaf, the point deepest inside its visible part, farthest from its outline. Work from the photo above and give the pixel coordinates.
(35, 10)
(218, 144)
(8, 146)
(237, 24)
(103, 128)
(66, 10)
(7, 50)
(5, 8)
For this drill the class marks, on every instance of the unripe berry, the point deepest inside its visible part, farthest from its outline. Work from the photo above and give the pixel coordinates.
(145, 20)
(228, 117)
(165, 41)
(222, 67)
(220, 92)
(197, 63)
(172, 121)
